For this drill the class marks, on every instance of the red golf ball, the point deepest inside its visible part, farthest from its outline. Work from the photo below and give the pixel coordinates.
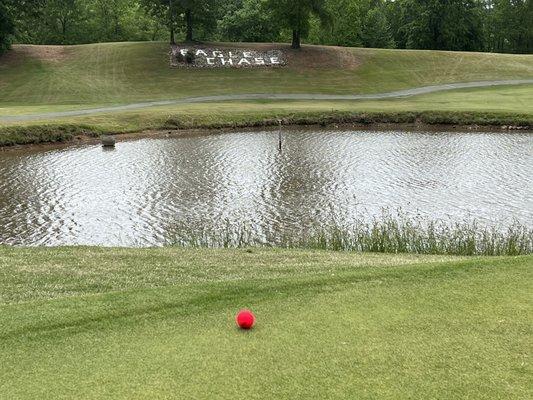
(245, 319)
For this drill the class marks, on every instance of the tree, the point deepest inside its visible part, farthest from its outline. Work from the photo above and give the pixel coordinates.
(528, 17)
(165, 11)
(61, 18)
(250, 22)
(509, 26)
(295, 15)
(7, 27)
(119, 20)
(376, 30)
(346, 21)
(443, 25)
(184, 14)
(486, 25)
(23, 16)
(198, 15)
(108, 17)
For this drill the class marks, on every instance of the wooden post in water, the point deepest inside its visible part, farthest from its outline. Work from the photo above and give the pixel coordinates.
(279, 136)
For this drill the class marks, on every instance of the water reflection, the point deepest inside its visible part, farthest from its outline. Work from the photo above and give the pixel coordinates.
(146, 192)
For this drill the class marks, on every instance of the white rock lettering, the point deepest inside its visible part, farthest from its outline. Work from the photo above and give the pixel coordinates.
(195, 57)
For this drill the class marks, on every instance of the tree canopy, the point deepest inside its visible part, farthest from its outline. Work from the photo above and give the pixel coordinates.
(296, 15)
(7, 27)
(467, 25)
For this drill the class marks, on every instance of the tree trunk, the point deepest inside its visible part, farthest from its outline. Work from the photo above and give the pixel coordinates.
(296, 40)
(188, 17)
(171, 22)
(172, 37)
(63, 22)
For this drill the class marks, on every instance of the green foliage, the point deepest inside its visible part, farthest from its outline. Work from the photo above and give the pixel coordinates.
(466, 25)
(346, 17)
(121, 20)
(450, 25)
(296, 15)
(252, 21)
(376, 30)
(62, 20)
(190, 18)
(7, 28)
(510, 26)
(82, 21)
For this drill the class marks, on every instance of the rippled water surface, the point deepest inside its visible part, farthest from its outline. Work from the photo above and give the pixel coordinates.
(149, 191)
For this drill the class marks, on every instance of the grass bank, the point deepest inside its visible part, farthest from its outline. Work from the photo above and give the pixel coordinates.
(157, 120)
(158, 323)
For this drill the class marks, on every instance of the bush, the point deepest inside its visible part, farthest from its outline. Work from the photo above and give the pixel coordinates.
(190, 57)
(180, 58)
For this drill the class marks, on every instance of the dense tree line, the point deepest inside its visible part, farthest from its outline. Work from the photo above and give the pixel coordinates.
(79, 21)
(469, 25)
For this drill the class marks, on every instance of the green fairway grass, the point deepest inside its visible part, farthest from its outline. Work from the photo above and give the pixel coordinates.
(158, 323)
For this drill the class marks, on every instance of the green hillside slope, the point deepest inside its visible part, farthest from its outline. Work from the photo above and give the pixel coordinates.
(127, 72)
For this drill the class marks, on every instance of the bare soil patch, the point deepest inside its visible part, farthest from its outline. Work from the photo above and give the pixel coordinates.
(21, 52)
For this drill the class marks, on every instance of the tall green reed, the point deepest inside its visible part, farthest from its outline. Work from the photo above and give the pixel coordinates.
(389, 233)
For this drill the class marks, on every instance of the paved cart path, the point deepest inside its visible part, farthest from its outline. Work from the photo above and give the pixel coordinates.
(264, 96)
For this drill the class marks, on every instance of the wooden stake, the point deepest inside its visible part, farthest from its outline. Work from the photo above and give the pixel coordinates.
(279, 136)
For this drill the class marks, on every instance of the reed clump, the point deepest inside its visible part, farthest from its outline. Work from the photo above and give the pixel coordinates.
(386, 234)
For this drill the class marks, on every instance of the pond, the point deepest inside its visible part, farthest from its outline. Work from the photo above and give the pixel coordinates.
(147, 192)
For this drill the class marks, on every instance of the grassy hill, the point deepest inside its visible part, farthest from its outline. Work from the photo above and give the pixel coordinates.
(127, 72)
(158, 323)
(37, 79)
